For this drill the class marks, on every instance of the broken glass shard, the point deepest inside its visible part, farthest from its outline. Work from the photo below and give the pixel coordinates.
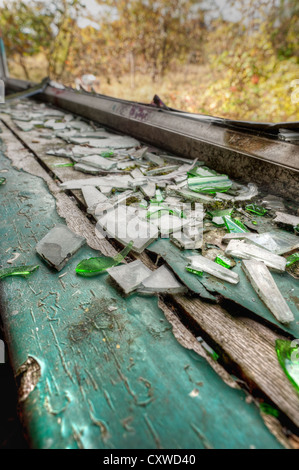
(94, 266)
(181, 240)
(255, 209)
(208, 348)
(247, 193)
(286, 219)
(59, 245)
(224, 261)
(148, 189)
(292, 259)
(2, 180)
(269, 410)
(267, 290)
(59, 165)
(201, 263)
(201, 171)
(234, 225)
(129, 276)
(86, 169)
(23, 271)
(194, 271)
(288, 357)
(155, 159)
(209, 184)
(92, 197)
(158, 196)
(276, 241)
(273, 202)
(161, 281)
(168, 223)
(124, 225)
(108, 154)
(98, 162)
(243, 250)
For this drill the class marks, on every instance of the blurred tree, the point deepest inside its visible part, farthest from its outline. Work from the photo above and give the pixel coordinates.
(30, 28)
(151, 35)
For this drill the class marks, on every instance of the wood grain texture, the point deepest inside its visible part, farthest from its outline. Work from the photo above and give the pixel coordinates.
(241, 339)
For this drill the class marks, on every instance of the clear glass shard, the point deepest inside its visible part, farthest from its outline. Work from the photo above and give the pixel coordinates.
(243, 250)
(288, 357)
(247, 193)
(99, 162)
(267, 290)
(206, 265)
(124, 225)
(162, 280)
(129, 276)
(23, 271)
(93, 197)
(59, 245)
(286, 219)
(273, 202)
(86, 169)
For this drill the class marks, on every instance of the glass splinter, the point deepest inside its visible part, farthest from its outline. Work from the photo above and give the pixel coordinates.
(269, 410)
(2, 180)
(58, 165)
(258, 210)
(234, 225)
(94, 266)
(194, 271)
(288, 357)
(223, 261)
(23, 271)
(292, 259)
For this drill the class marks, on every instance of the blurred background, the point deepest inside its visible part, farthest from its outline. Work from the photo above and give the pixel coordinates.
(234, 58)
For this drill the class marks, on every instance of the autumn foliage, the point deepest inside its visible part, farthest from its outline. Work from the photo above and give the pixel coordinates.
(239, 61)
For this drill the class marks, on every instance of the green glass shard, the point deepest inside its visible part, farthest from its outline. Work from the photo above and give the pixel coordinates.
(58, 165)
(223, 261)
(234, 225)
(158, 197)
(201, 171)
(2, 180)
(23, 271)
(194, 271)
(94, 266)
(107, 154)
(288, 357)
(269, 410)
(258, 210)
(209, 184)
(208, 349)
(292, 259)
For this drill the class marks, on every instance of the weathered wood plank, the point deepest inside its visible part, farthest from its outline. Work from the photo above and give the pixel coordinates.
(251, 348)
(242, 334)
(100, 378)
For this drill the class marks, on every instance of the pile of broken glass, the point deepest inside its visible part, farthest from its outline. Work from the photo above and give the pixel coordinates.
(137, 194)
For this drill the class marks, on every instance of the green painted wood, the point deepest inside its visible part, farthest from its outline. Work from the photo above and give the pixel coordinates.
(109, 378)
(241, 293)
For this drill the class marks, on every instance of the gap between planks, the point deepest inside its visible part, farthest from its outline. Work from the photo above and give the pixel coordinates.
(247, 343)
